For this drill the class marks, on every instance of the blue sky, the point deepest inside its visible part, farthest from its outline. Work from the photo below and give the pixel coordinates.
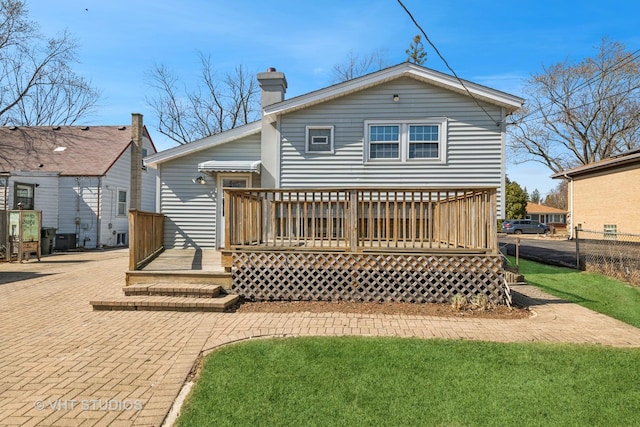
(498, 44)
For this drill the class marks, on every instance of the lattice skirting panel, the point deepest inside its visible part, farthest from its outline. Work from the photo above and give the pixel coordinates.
(316, 276)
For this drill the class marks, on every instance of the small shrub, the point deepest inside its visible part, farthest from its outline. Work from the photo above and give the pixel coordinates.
(480, 302)
(458, 302)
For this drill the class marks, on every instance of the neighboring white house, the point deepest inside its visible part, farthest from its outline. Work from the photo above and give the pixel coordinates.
(84, 179)
(403, 126)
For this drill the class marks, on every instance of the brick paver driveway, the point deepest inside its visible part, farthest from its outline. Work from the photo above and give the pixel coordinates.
(63, 364)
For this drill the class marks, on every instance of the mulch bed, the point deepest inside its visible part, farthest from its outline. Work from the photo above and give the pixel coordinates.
(442, 310)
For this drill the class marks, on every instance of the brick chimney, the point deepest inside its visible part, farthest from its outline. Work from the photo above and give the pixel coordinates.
(136, 162)
(273, 86)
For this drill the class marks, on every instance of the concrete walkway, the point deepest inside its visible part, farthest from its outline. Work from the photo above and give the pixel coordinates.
(62, 364)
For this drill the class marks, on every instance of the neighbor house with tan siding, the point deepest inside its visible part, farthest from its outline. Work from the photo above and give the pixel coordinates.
(605, 196)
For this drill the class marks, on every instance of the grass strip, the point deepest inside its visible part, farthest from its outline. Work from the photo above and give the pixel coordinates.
(591, 290)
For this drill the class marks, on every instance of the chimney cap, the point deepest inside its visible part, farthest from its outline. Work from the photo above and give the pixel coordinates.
(271, 70)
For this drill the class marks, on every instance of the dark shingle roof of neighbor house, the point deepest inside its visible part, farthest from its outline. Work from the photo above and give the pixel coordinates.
(67, 150)
(631, 157)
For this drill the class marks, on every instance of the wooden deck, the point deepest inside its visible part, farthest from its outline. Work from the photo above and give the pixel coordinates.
(409, 245)
(187, 259)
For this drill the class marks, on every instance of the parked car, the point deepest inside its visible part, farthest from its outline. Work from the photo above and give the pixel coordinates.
(524, 226)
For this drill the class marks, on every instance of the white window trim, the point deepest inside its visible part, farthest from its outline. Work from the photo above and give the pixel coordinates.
(441, 122)
(126, 202)
(308, 143)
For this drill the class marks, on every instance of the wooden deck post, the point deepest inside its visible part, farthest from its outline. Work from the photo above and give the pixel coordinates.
(353, 220)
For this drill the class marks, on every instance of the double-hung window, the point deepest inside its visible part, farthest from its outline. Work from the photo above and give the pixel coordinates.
(409, 141)
(122, 203)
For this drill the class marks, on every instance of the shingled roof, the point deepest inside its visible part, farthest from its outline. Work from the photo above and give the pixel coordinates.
(67, 150)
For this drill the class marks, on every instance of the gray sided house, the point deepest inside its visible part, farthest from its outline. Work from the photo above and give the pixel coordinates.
(84, 179)
(405, 126)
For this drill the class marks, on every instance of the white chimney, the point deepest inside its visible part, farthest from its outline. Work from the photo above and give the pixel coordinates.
(273, 86)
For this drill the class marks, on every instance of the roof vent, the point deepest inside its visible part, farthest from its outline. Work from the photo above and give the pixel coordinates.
(84, 128)
(59, 149)
(13, 127)
(56, 128)
(122, 128)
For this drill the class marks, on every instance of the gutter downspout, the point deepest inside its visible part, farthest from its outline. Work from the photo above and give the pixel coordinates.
(571, 230)
(98, 216)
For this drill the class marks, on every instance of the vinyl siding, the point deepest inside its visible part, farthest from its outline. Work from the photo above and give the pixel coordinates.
(474, 150)
(78, 198)
(119, 178)
(190, 209)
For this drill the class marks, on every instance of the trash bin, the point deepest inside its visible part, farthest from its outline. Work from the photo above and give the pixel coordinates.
(47, 234)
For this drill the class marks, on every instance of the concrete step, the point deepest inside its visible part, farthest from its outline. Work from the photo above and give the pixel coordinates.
(166, 303)
(174, 290)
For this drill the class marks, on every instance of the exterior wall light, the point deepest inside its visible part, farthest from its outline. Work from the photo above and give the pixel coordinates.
(199, 180)
(396, 97)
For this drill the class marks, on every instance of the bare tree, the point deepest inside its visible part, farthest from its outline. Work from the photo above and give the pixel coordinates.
(579, 114)
(215, 105)
(37, 85)
(558, 197)
(356, 65)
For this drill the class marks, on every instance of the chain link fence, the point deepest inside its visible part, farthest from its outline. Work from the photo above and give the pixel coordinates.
(610, 253)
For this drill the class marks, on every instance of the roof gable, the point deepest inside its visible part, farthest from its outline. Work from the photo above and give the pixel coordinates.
(67, 150)
(482, 93)
(204, 143)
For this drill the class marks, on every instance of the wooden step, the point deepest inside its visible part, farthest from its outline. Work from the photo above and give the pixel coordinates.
(174, 290)
(192, 277)
(166, 303)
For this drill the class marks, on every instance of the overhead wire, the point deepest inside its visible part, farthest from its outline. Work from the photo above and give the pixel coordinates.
(446, 63)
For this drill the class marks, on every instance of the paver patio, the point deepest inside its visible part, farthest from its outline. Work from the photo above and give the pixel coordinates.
(63, 364)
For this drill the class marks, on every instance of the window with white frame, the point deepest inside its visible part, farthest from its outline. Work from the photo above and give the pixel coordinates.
(409, 141)
(122, 203)
(24, 196)
(319, 139)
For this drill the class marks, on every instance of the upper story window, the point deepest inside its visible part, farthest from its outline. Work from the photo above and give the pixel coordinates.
(406, 141)
(319, 139)
(144, 154)
(122, 202)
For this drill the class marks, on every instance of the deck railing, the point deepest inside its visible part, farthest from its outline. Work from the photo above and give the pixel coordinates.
(146, 235)
(361, 219)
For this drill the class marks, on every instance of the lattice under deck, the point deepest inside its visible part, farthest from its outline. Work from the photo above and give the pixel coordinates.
(316, 276)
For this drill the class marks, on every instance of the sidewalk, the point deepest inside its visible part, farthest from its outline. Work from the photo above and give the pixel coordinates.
(63, 364)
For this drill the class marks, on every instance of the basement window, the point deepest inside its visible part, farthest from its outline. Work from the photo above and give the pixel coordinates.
(610, 231)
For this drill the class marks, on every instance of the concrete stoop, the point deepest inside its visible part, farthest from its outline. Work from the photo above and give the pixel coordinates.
(170, 297)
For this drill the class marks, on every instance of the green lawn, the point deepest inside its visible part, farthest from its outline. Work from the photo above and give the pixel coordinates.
(593, 291)
(411, 382)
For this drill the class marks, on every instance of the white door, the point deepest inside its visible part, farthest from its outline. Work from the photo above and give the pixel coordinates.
(234, 180)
